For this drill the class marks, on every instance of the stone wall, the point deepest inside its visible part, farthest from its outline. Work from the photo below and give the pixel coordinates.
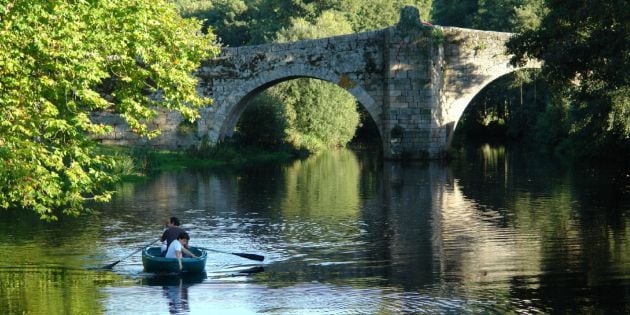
(407, 123)
(176, 133)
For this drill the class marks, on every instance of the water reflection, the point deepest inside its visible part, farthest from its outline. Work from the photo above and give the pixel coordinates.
(51, 290)
(319, 187)
(496, 232)
(175, 289)
(177, 296)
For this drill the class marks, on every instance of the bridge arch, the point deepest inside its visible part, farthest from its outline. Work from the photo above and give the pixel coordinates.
(459, 105)
(464, 65)
(233, 111)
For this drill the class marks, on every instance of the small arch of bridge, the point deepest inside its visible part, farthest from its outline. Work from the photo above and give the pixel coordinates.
(460, 104)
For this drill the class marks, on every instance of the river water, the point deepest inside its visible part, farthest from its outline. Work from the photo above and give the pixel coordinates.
(342, 233)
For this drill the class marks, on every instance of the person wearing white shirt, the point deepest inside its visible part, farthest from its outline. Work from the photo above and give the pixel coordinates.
(177, 247)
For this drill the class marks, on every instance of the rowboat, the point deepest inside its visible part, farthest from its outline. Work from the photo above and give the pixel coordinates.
(153, 262)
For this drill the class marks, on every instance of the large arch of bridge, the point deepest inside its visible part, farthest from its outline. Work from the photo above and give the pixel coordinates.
(235, 110)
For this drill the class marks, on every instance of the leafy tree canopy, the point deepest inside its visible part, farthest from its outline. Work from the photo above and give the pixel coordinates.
(248, 22)
(62, 59)
(585, 48)
(496, 15)
(370, 15)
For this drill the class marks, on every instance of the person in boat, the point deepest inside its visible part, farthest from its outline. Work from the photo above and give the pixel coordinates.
(171, 234)
(177, 247)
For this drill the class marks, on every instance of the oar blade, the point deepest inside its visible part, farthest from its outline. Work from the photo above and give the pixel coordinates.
(244, 255)
(250, 256)
(110, 266)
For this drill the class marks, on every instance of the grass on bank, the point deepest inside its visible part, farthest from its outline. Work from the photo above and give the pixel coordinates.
(134, 163)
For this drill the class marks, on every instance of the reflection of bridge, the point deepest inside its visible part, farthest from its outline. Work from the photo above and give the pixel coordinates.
(414, 80)
(469, 240)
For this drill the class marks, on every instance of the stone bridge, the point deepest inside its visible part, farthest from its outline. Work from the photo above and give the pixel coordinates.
(414, 80)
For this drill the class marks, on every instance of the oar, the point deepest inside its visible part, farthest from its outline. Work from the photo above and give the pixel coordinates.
(244, 255)
(110, 266)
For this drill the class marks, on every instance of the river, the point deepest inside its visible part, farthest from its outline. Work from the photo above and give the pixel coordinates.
(494, 231)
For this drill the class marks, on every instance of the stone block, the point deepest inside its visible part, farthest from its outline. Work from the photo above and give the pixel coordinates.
(399, 105)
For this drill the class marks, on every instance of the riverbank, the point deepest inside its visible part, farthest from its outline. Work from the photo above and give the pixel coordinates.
(139, 162)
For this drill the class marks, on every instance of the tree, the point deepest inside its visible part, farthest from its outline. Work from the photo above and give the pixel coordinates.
(227, 19)
(319, 115)
(528, 15)
(495, 15)
(454, 12)
(248, 22)
(62, 59)
(262, 124)
(585, 49)
(377, 14)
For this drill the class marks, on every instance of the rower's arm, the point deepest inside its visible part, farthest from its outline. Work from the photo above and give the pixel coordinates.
(185, 250)
(179, 255)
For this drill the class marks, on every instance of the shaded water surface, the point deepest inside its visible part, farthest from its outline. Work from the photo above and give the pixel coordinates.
(342, 233)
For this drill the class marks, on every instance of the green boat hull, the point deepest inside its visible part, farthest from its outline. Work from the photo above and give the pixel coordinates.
(152, 261)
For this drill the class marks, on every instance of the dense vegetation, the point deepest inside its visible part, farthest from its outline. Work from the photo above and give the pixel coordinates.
(585, 47)
(248, 22)
(61, 60)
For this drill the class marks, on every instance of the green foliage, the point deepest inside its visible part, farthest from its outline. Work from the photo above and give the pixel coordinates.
(584, 46)
(270, 16)
(125, 163)
(263, 123)
(247, 22)
(496, 15)
(192, 8)
(437, 35)
(517, 107)
(83, 56)
(528, 15)
(551, 125)
(370, 15)
(319, 115)
(329, 23)
(454, 12)
(228, 19)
